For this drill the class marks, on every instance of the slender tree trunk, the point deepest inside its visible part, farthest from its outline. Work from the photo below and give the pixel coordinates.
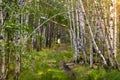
(76, 55)
(8, 54)
(113, 5)
(70, 24)
(3, 66)
(91, 55)
(18, 45)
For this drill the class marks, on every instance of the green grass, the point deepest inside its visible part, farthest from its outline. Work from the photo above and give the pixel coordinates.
(45, 65)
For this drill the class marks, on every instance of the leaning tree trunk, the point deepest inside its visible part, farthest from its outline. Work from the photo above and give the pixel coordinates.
(91, 34)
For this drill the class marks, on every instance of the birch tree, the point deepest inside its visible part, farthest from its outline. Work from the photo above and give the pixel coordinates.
(2, 48)
(113, 30)
(91, 34)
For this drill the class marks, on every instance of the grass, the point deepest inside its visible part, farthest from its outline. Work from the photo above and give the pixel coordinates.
(45, 65)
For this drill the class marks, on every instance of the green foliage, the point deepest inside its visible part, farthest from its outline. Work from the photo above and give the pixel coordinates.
(28, 75)
(85, 73)
(44, 65)
(113, 75)
(96, 75)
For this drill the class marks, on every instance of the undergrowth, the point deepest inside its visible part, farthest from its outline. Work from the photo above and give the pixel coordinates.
(44, 65)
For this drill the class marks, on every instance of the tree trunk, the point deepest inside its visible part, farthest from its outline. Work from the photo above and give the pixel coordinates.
(3, 66)
(91, 55)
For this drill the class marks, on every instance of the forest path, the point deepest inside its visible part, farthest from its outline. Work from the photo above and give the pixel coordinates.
(62, 47)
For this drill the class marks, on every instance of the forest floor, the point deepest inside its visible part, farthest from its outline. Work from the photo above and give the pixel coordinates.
(45, 65)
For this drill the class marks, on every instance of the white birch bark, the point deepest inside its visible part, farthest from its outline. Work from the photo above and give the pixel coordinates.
(73, 29)
(106, 39)
(111, 23)
(91, 34)
(70, 23)
(91, 54)
(82, 31)
(115, 30)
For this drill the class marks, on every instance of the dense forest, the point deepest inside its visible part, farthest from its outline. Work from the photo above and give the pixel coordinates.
(59, 39)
